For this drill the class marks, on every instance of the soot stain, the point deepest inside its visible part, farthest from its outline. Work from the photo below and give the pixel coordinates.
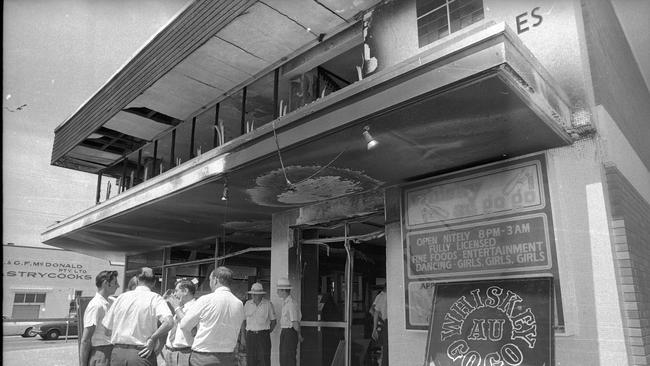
(272, 189)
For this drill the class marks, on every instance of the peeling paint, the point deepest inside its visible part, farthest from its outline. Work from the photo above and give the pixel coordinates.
(272, 190)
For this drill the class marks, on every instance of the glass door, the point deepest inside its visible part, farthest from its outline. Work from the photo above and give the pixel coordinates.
(324, 322)
(339, 266)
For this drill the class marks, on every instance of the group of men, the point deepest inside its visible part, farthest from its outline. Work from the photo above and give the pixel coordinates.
(140, 323)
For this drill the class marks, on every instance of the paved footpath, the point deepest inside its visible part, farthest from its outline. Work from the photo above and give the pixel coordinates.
(17, 351)
(60, 354)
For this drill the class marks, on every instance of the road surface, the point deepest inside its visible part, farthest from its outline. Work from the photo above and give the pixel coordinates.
(19, 351)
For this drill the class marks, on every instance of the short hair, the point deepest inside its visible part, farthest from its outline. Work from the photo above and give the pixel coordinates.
(146, 275)
(133, 283)
(223, 275)
(187, 285)
(107, 276)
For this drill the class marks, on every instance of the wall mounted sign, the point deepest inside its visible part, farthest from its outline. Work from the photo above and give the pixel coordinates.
(501, 322)
(497, 246)
(479, 223)
(481, 195)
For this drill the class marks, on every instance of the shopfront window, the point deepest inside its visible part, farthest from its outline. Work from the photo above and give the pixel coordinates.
(197, 273)
(190, 253)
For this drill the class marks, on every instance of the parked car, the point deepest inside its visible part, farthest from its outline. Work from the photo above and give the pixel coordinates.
(17, 327)
(53, 329)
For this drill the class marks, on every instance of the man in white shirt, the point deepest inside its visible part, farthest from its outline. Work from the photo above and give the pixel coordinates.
(133, 320)
(95, 349)
(179, 343)
(290, 324)
(379, 312)
(218, 317)
(260, 322)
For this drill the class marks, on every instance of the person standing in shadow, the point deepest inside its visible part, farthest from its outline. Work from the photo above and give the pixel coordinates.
(329, 312)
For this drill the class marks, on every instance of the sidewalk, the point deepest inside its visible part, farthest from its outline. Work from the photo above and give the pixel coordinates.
(65, 354)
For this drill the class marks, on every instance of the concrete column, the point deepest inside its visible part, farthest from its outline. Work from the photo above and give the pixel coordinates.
(281, 239)
(609, 322)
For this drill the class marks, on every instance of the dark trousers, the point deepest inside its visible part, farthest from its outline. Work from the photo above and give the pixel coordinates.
(176, 357)
(128, 356)
(212, 359)
(258, 348)
(100, 355)
(288, 346)
(383, 340)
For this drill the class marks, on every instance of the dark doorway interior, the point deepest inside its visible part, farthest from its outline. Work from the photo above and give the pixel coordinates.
(324, 262)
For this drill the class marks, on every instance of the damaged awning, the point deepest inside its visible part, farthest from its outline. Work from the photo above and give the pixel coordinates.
(209, 49)
(479, 99)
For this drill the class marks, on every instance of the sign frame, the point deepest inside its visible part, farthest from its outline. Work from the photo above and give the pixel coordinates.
(536, 160)
(549, 316)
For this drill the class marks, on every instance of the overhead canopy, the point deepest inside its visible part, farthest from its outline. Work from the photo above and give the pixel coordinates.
(210, 48)
(481, 99)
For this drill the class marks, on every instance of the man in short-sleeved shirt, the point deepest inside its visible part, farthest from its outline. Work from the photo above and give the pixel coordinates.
(260, 321)
(380, 320)
(133, 320)
(290, 324)
(95, 349)
(218, 317)
(179, 343)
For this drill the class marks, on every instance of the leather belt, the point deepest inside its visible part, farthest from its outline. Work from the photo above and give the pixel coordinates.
(258, 331)
(178, 349)
(212, 353)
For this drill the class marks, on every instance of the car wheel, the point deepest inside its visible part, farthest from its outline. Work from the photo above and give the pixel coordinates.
(52, 334)
(28, 333)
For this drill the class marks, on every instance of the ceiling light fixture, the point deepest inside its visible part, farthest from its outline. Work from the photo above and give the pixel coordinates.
(371, 143)
(224, 195)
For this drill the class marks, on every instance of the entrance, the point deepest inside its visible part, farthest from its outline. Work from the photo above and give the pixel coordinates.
(342, 267)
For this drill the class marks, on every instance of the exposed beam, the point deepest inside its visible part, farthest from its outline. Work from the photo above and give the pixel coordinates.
(324, 52)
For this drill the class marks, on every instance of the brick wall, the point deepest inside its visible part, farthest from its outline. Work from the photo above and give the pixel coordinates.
(630, 228)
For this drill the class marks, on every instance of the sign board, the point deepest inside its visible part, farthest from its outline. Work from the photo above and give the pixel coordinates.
(498, 246)
(481, 195)
(484, 222)
(499, 322)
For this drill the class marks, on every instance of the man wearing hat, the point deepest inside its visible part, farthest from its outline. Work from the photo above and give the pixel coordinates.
(290, 324)
(133, 322)
(260, 321)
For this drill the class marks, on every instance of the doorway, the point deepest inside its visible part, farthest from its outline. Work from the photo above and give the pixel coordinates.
(342, 267)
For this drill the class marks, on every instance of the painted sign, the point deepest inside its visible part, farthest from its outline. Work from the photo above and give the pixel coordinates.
(420, 297)
(484, 323)
(42, 269)
(486, 194)
(497, 246)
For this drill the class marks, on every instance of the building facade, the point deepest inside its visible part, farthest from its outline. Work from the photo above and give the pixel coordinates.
(42, 283)
(486, 160)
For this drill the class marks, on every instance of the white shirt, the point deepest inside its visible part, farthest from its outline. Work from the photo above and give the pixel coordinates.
(95, 312)
(290, 313)
(381, 305)
(134, 316)
(218, 317)
(178, 338)
(258, 317)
